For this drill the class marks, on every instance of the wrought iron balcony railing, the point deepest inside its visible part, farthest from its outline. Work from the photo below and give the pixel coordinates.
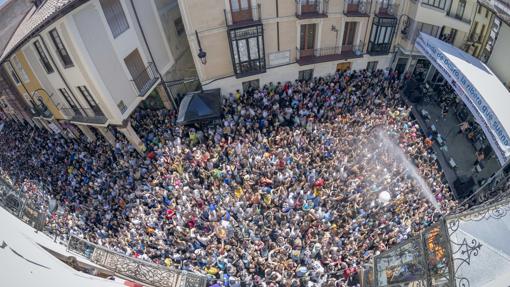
(357, 8)
(459, 17)
(37, 216)
(474, 38)
(136, 269)
(306, 9)
(42, 111)
(242, 16)
(146, 80)
(386, 9)
(91, 116)
(378, 48)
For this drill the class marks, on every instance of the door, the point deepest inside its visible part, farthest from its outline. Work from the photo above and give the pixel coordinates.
(307, 39)
(343, 66)
(241, 10)
(401, 65)
(309, 6)
(349, 34)
(136, 68)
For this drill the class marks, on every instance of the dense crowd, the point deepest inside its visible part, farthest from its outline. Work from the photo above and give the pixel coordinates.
(284, 190)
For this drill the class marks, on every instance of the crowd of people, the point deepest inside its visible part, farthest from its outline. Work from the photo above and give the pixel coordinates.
(284, 190)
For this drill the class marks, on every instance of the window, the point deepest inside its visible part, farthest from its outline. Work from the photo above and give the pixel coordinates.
(441, 4)
(90, 100)
(179, 26)
(122, 106)
(14, 77)
(479, 9)
(486, 13)
(238, 5)
(372, 66)
(43, 58)
(142, 76)
(253, 84)
(71, 101)
(307, 37)
(61, 49)
(460, 9)
(19, 68)
(247, 50)
(115, 16)
(305, 75)
(432, 30)
(381, 36)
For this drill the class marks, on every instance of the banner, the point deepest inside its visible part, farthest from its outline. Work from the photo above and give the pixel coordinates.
(493, 129)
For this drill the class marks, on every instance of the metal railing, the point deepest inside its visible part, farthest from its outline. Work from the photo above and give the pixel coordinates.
(86, 115)
(357, 7)
(451, 14)
(12, 200)
(330, 51)
(492, 191)
(43, 112)
(386, 9)
(145, 80)
(474, 37)
(136, 269)
(242, 16)
(379, 48)
(311, 9)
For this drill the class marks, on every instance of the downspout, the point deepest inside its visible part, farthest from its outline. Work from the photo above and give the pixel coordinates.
(150, 54)
(56, 67)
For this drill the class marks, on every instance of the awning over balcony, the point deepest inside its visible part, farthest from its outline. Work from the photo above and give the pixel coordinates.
(479, 88)
(200, 106)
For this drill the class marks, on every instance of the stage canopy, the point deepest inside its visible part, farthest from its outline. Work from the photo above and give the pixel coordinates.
(200, 106)
(479, 88)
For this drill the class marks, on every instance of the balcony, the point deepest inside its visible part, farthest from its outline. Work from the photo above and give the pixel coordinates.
(474, 38)
(327, 54)
(375, 49)
(458, 17)
(386, 10)
(89, 116)
(306, 9)
(242, 17)
(145, 80)
(357, 8)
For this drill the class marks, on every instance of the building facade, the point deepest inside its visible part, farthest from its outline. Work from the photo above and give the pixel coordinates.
(89, 64)
(490, 37)
(254, 42)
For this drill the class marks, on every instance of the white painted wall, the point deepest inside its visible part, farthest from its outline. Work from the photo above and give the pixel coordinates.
(156, 38)
(102, 60)
(499, 60)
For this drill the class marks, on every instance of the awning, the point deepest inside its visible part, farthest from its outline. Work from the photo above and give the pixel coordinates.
(479, 88)
(200, 106)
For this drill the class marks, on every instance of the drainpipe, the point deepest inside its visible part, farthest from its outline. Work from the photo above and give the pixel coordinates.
(150, 54)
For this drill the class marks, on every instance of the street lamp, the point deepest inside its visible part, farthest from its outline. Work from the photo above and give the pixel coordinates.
(202, 55)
